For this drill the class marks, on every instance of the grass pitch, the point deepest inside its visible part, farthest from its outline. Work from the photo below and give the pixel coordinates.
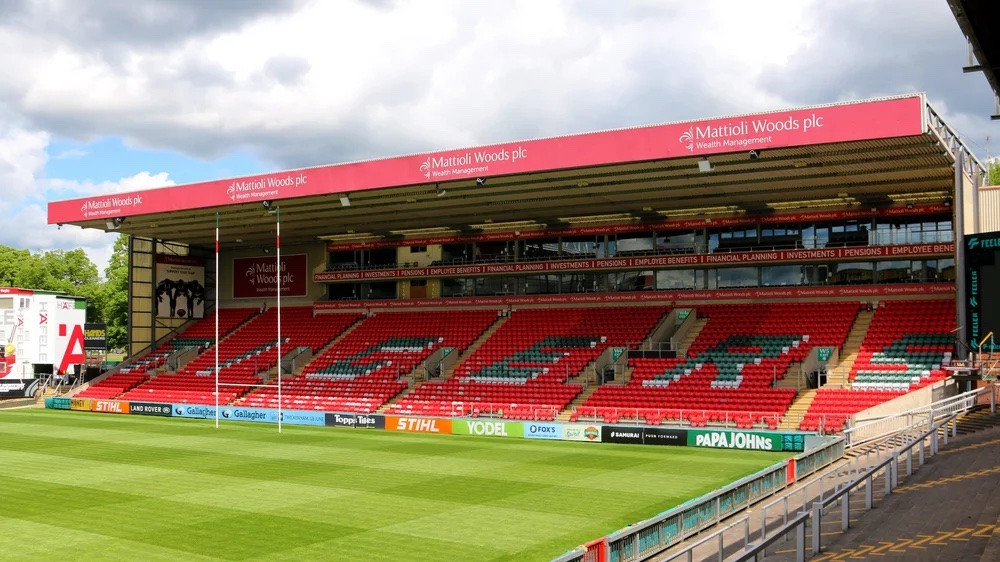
(92, 486)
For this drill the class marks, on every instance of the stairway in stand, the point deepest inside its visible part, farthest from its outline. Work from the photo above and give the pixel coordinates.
(790, 378)
(838, 376)
(692, 335)
(793, 417)
(475, 345)
(576, 403)
(384, 407)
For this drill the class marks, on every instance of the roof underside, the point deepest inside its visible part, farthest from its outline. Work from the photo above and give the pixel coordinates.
(916, 169)
(978, 20)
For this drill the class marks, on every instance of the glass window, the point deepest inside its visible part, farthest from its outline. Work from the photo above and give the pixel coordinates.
(735, 277)
(892, 272)
(781, 275)
(675, 279)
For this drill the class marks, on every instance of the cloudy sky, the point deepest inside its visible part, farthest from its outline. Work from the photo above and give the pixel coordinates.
(101, 96)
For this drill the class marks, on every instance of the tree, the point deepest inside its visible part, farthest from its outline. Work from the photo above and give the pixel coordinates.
(115, 301)
(993, 167)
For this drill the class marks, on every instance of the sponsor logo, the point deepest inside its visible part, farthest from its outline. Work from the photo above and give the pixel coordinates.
(496, 429)
(149, 409)
(342, 420)
(79, 404)
(580, 432)
(110, 406)
(253, 188)
(465, 164)
(303, 417)
(745, 133)
(367, 421)
(418, 425)
(734, 440)
(543, 431)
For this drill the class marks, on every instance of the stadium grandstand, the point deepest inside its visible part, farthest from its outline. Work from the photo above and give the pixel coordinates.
(786, 269)
(775, 282)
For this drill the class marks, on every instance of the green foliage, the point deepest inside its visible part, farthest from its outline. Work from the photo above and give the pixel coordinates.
(994, 171)
(115, 301)
(169, 489)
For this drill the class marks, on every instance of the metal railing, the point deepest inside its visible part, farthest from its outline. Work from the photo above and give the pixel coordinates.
(886, 470)
(657, 534)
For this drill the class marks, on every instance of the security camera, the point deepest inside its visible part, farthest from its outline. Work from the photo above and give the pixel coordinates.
(754, 154)
(266, 203)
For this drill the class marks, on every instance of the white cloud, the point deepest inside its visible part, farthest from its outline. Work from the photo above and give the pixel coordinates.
(311, 82)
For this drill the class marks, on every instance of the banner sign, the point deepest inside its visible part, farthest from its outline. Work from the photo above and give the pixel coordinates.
(150, 409)
(900, 289)
(95, 337)
(725, 439)
(303, 417)
(18, 388)
(255, 277)
(227, 413)
(621, 434)
(662, 226)
(863, 120)
(651, 262)
(418, 425)
(487, 428)
(340, 420)
(180, 287)
(644, 435)
(982, 311)
(581, 432)
(109, 406)
(541, 430)
(664, 436)
(79, 404)
(824, 353)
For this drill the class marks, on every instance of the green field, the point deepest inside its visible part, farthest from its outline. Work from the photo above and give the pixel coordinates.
(93, 486)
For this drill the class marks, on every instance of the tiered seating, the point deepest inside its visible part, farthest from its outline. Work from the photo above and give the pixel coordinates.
(906, 346)
(729, 371)
(832, 407)
(361, 372)
(113, 385)
(253, 348)
(200, 335)
(243, 355)
(190, 388)
(521, 371)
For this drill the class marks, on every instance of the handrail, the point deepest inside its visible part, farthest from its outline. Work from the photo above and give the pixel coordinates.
(944, 407)
(752, 551)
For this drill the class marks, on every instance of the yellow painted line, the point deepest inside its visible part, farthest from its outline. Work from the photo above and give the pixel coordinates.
(950, 479)
(985, 532)
(901, 545)
(942, 536)
(844, 554)
(880, 550)
(922, 541)
(962, 531)
(968, 447)
(860, 553)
